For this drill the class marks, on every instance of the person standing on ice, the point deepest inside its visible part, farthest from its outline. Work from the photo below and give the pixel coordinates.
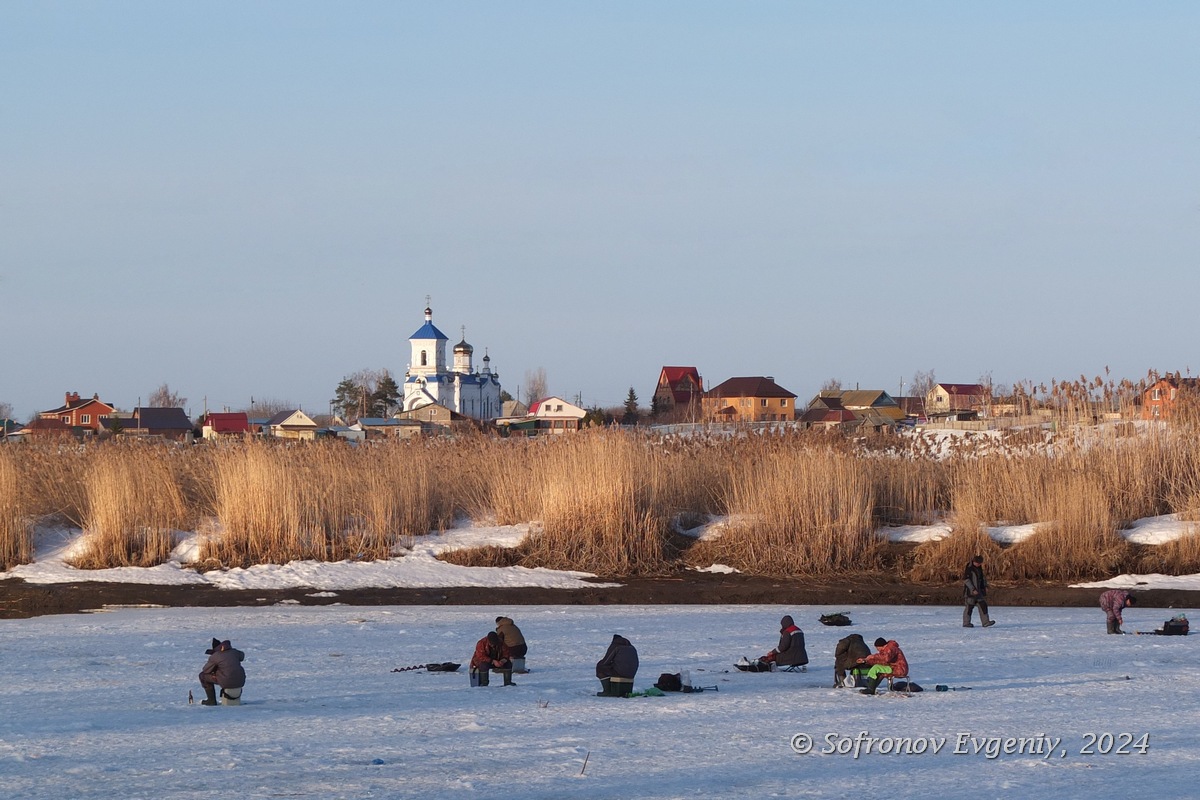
(1113, 602)
(790, 652)
(514, 640)
(975, 593)
(223, 668)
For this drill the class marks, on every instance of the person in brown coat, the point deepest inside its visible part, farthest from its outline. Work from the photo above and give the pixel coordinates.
(514, 640)
(845, 657)
(490, 653)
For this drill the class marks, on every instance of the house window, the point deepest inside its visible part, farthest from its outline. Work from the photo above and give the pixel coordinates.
(1155, 395)
(764, 402)
(66, 420)
(783, 403)
(85, 419)
(1172, 394)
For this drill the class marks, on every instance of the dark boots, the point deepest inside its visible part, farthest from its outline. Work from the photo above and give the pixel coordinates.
(508, 681)
(872, 684)
(605, 688)
(210, 692)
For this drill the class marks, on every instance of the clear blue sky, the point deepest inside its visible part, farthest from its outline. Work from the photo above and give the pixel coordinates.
(253, 199)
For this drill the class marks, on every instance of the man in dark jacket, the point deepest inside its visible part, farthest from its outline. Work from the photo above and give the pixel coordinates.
(790, 652)
(975, 593)
(620, 661)
(223, 668)
(845, 657)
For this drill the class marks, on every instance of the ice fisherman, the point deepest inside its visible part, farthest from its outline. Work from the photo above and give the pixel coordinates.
(224, 669)
(514, 640)
(849, 651)
(887, 660)
(975, 593)
(490, 654)
(1113, 602)
(619, 661)
(790, 651)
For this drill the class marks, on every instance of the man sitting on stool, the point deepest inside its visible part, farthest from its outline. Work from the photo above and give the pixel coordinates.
(889, 660)
(224, 669)
(618, 668)
(490, 654)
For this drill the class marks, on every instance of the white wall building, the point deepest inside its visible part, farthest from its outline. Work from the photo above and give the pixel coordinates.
(459, 387)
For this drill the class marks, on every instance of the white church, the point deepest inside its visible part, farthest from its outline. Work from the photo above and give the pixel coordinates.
(459, 387)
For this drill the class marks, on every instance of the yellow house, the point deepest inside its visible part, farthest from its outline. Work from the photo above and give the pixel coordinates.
(756, 399)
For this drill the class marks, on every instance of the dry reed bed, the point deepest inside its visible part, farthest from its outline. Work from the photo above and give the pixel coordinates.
(805, 503)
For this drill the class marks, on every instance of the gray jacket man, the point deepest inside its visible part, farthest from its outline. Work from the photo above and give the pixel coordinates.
(223, 668)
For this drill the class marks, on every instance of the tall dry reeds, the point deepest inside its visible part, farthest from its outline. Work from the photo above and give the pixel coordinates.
(133, 507)
(1078, 538)
(797, 510)
(603, 507)
(16, 537)
(606, 501)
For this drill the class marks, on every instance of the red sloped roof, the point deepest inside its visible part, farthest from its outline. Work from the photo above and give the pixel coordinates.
(228, 422)
(675, 374)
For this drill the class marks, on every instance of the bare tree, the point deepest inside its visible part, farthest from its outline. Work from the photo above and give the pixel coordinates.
(831, 385)
(923, 383)
(535, 384)
(163, 397)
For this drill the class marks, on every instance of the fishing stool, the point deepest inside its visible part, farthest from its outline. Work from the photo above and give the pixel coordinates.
(231, 697)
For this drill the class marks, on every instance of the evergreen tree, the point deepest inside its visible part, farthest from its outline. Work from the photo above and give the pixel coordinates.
(386, 395)
(631, 416)
(348, 399)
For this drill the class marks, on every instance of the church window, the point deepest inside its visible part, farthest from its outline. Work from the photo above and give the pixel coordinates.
(424, 359)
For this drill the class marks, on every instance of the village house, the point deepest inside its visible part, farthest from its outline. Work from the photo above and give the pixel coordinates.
(83, 415)
(1162, 398)
(952, 398)
(751, 399)
(164, 423)
(853, 409)
(678, 391)
(216, 424)
(294, 424)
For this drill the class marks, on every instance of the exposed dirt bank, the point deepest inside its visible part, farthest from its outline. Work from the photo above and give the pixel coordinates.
(20, 599)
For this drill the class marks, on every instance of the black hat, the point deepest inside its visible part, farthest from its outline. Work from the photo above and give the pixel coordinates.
(977, 560)
(880, 642)
(216, 645)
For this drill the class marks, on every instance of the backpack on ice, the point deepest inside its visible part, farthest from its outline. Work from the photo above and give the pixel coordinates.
(836, 620)
(1175, 626)
(669, 682)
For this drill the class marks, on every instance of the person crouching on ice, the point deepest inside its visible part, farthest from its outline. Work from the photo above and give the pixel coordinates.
(490, 654)
(888, 660)
(790, 652)
(223, 668)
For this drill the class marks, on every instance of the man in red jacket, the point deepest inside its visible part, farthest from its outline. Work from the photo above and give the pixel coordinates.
(889, 660)
(490, 653)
